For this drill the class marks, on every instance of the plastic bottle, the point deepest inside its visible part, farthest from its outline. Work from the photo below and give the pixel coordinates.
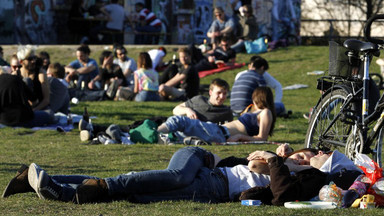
(82, 85)
(173, 59)
(69, 118)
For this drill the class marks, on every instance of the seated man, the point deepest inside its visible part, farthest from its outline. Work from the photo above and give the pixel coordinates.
(59, 96)
(84, 68)
(144, 24)
(128, 65)
(208, 109)
(241, 94)
(221, 26)
(222, 54)
(185, 84)
(275, 85)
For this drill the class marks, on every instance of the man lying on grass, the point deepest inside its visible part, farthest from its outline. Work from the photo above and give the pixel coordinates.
(190, 175)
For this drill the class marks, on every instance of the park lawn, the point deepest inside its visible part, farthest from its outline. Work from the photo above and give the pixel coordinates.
(63, 153)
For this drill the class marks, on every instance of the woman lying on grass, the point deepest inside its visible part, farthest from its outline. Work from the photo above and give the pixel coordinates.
(254, 126)
(190, 176)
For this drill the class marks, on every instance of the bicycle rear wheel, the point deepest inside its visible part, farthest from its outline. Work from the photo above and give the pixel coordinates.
(323, 114)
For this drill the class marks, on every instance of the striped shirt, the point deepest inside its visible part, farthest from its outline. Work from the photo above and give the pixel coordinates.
(241, 93)
(149, 17)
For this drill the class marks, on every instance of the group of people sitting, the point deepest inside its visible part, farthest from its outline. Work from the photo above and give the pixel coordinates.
(119, 77)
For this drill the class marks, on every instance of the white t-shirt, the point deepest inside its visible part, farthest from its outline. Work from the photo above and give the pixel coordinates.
(240, 178)
(117, 15)
(156, 56)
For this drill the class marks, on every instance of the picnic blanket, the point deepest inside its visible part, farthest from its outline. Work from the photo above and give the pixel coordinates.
(221, 68)
(61, 125)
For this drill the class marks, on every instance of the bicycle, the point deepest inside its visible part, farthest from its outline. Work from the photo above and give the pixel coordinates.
(349, 115)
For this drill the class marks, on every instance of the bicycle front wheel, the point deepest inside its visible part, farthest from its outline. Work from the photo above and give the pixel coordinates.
(322, 133)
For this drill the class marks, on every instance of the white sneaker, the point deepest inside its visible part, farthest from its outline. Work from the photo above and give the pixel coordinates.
(33, 177)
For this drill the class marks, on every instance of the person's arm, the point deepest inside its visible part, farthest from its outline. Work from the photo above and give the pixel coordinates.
(45, 90)
(229, 27)
(136, 88)
(273, 83)
(264, 127)
(86, 69)
(104, 11)
(182, 109)
(175, 80)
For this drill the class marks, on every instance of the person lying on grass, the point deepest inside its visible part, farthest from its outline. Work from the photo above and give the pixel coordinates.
(190, 175)
(254, 126)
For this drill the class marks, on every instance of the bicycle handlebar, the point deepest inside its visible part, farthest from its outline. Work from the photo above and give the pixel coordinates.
(367, 29)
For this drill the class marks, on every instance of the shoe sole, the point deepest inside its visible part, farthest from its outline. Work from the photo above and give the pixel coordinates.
(85, 135)
(33, 178)
(7, 188)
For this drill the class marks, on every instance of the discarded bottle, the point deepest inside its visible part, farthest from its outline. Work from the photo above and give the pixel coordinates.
(85, 115)
(69, 118)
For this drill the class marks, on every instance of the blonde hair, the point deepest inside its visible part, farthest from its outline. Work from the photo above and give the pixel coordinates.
(24, 52)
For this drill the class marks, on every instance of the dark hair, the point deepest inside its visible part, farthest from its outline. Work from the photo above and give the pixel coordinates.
(220, 83)
(164, 50)
(263, 98)
(103, 55)
(119, 47)
(84, 48)
(44, 54)
(314, 151)
(57, 70)
(144, 61)
(114, 1)
(258, 62)
(140, 4)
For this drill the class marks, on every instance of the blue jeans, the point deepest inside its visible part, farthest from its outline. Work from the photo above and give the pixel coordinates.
(147, 96)
(279, 108)
(186, 177)
(207, 131)
(41, 118)
(86, 78)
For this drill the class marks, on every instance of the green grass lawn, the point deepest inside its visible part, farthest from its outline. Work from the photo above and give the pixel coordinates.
(63, 153)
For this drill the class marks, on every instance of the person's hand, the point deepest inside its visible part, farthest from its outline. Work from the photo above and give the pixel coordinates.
(161, 87)
(234, 138)
(90, 84)
(260, 155)
(283, 150)
(191, 114)
(211, 59)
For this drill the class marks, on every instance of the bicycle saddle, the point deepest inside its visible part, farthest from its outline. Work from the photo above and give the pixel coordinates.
(361, 46)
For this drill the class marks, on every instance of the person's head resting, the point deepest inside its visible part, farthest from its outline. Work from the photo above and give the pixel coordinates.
(318, 160)
(56, 70)
(82, 53)
(258, 63)
(120, 52)
(225, 42)
(144, 61)
(262, 98)
(27, 57)
(218, 90)
(106, 55)
(302, 156)
(184, 55)
(219, 13)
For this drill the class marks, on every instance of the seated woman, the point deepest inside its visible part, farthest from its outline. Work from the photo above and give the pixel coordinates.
(249, 127)
(190, 175)
(146, 80)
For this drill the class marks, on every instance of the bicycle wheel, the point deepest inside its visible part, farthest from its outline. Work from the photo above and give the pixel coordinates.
(377, 150)
(326, 111)
(354, 143)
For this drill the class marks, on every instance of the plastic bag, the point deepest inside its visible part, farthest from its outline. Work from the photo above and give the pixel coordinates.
(331, 193)
(256, 46)
(371, 169)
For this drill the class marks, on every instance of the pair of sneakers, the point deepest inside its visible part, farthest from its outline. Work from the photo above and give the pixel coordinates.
(43, 184)
(86, 130)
